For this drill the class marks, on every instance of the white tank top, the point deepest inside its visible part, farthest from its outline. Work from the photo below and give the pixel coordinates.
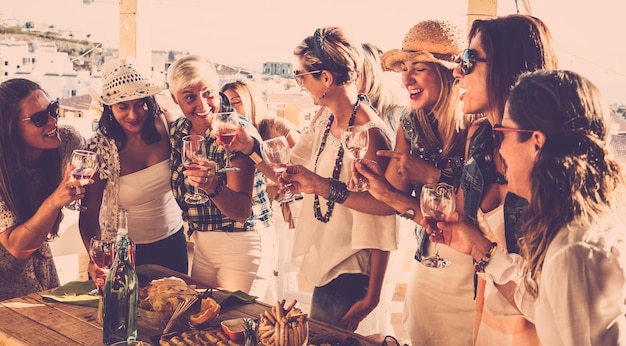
(153, 213)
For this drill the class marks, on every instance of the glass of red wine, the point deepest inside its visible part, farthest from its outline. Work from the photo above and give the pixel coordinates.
(85, 164)
(194, 152)
(437, 201)
(102, 253)
(225, 127)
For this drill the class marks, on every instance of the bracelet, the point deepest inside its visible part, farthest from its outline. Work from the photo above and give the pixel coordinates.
(479, 266)
(218, 189)
(338, 191)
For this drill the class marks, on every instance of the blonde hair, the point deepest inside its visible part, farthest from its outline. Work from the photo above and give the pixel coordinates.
(448, 114)
(371, 82)
(331, 49)
(249, 99)
(274, 127)
(191, 69)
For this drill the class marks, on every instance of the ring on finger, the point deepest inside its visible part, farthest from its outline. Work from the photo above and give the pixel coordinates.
(77, 190)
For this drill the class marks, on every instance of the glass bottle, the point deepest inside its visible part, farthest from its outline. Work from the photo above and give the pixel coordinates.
(121, 290)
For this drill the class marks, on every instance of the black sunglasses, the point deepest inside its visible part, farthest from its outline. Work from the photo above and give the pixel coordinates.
(40, 119)
(499, 130)
(467, 60)
(391, 341)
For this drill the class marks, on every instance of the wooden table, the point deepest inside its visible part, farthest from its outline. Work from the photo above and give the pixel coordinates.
(31, 320)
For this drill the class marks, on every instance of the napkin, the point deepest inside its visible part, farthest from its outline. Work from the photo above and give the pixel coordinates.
(75, 292)
(229, 300)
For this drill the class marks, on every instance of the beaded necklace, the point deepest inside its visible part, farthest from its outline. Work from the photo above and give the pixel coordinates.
(338, 164)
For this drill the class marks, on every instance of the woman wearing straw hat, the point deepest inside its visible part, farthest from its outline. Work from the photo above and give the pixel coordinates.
(227, 248)
(133, 147)
(439, 308)
(35, 184)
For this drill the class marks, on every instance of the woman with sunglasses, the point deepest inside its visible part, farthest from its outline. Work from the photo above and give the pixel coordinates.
(499, 51)
(35, 185)
(133, 149)
(570, 276)
(343, 252)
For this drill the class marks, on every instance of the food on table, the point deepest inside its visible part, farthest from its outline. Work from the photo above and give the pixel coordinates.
(197, 337)
(283, 326)
(209, 309)
(159, 299)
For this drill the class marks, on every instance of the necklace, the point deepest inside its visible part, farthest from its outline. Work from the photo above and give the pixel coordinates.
(338, 164)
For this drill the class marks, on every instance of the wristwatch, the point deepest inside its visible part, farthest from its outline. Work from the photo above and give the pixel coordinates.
(255, 156)
(408, 214)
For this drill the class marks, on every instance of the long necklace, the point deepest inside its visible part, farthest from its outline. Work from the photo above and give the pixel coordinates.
(338, 164)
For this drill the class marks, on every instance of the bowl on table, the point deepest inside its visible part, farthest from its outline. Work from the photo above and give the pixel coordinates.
(233, 329)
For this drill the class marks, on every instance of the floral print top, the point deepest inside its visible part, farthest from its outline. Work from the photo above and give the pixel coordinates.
(36, 273)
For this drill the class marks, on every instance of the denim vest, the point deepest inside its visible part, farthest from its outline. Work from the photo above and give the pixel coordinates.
(479, 168)
(409, 130)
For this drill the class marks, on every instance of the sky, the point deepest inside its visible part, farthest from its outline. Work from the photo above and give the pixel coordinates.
(589, 35)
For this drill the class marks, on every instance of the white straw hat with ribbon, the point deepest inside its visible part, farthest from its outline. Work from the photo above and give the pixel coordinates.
(123, 81)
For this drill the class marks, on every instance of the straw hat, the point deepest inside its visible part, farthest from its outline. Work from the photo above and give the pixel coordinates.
(435, 41)
(122, 81)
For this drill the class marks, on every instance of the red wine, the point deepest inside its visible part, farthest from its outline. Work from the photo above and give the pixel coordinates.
(432, 222)
(82, 173)
(103, 259)
(226, 136)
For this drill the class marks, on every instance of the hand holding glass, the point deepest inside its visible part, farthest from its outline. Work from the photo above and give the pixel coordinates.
(437, 201)
(101, 252)
(355, 141)
(194, 151)
(276, 152)
(225, 127)
(85, 164)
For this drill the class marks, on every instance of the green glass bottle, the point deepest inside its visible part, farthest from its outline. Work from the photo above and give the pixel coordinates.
(121, 290)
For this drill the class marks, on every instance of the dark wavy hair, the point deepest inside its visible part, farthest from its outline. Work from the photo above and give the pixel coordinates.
(109, 126)
(572, 179)
(15, 189)
(513, 44)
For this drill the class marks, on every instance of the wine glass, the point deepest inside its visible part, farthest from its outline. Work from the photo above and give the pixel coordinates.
(194, 151)
(85, 163)
(437, 201)
(355, 140)
(276, 152)
(102, 253)
(225, 126)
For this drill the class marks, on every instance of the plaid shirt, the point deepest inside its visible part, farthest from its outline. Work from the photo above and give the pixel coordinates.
(208, 217)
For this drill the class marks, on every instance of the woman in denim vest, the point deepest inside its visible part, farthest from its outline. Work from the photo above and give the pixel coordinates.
(499, 51)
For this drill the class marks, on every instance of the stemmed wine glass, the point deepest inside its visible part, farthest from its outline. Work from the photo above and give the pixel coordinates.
(355, 140)
(194, 151)
(102, 253)
(85, 163)
(225, 126)
(276, 152)
(437, 201)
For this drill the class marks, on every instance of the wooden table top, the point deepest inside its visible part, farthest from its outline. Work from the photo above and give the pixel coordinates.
(31, 320)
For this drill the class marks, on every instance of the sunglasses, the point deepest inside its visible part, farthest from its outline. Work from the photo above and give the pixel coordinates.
(40, 119)
(299, 76)
(391, 341)
(499, 130)
(467, 61)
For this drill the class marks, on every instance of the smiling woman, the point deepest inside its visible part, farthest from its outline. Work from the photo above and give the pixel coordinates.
(35, 184)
